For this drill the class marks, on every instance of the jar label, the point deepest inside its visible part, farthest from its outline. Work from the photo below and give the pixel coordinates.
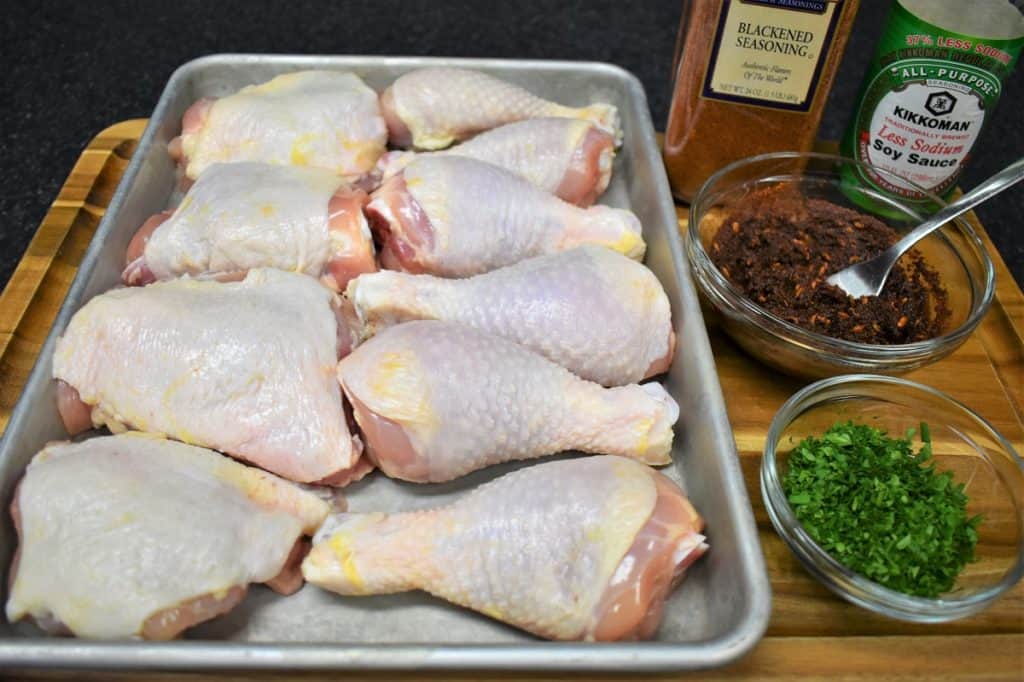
(925, 100)
(923, 130)
(770, 52)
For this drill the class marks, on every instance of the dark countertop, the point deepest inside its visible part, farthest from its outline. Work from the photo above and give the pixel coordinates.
(74, 68)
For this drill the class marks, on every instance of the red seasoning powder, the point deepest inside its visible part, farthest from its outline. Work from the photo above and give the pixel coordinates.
(779, 247)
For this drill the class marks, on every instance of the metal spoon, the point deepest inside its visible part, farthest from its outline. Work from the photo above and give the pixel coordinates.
(868, 278)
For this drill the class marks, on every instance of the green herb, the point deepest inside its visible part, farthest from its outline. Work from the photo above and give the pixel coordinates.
(882, 510)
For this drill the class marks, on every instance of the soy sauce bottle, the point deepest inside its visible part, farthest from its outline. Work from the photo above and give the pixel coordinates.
(935, 78)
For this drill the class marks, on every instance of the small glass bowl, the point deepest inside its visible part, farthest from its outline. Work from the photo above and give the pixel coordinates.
(954, 251)
(962, 442)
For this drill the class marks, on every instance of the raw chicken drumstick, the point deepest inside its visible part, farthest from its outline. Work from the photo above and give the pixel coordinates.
(597, 313)
(577, 549)
(240, 216)
(432, 108)
(569, 158)
(246, 368)
(327, 119)
(137, 536)
(437, 400)
(455, 216)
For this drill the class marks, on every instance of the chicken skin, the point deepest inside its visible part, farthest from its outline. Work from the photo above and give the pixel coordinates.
(245, 367)
(585, 548)
(138, 536)
(432, 108)
(437, 400)
(325, 119)
(240, 216)
(624, 337)
(455, 216)
(570, 158)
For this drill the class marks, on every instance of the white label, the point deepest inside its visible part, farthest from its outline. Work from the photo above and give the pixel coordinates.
(923, 132)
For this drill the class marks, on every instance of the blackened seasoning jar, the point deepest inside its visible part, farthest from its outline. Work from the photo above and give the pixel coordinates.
(750, 77)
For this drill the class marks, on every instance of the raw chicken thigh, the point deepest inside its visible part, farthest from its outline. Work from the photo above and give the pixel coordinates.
(240, 216)
(577, 549)
(246, 368)
(624, 336)
(137, 536)
(569, 158)
(455, 216)
(434, 107)
(327, 119)
(437, 400)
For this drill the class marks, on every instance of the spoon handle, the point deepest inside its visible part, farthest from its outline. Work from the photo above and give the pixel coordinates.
(1002, 180)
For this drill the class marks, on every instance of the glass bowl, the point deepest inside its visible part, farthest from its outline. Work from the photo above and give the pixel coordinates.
(962, 442)
(954, 251)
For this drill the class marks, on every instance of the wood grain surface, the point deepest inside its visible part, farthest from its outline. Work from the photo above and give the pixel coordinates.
(812, 634)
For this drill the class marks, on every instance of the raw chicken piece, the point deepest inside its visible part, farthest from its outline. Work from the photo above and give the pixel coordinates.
(569, 158)
(137, 536)
(434, 107)
(577, 549)
(624, 336)
(456, 216)
(246, 368)
(437, 400)
(327, 119)
(240, 216)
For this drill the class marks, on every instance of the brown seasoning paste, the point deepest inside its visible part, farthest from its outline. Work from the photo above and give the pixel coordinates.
(778, 247)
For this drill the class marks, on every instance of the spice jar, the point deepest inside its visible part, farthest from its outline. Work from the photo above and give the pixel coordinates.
(751, 76)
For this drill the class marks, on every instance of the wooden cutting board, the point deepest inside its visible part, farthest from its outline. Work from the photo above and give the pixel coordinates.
(812, 635)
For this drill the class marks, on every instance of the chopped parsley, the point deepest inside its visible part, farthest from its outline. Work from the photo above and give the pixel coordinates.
(880, 509)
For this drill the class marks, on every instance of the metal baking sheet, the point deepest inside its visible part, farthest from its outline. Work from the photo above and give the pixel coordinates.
(718, 613)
